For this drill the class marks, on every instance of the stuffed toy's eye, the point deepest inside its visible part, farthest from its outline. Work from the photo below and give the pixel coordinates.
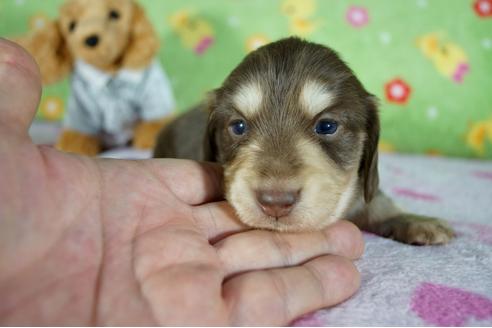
(326, 127)
(238, 127)
(113, 14)
(71, 26)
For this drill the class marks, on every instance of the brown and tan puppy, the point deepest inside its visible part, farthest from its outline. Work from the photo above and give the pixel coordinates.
(297, 135)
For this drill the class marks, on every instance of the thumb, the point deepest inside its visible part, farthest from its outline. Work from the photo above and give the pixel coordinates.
(20, 88)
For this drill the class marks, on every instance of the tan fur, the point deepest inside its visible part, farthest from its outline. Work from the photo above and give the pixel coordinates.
(381, 216)
(315, 98)
(418, 230)
(48, 47)
(322, 185)
(130, 42)
(143, 42)
(79, 143)
(248, 98)
(145, 133)
(414, 229)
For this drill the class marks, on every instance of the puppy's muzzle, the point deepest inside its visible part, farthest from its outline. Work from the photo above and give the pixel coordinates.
(277, 203)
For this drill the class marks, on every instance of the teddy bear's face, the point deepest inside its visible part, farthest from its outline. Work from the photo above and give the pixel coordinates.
(97, 31)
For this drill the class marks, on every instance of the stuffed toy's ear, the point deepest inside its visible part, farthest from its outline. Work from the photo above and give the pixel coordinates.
(143, 43)
(48, 47)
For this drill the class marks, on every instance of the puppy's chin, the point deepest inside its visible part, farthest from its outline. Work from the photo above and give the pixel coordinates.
(326, 192)
(288, 223)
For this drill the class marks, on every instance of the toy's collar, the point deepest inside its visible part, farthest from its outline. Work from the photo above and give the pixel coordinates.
(99, 79)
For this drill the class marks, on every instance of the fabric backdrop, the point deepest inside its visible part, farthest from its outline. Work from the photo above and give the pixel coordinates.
(428, 61)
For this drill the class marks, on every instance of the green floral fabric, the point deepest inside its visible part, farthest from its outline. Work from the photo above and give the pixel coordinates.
(428, 61)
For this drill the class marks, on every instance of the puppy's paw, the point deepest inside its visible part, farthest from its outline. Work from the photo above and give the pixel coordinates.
(416, 230)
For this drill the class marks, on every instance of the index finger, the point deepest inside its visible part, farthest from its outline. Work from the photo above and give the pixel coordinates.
(278, 296)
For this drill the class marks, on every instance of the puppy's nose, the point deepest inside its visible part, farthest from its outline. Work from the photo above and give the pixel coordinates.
(277, 203)
(92, 41)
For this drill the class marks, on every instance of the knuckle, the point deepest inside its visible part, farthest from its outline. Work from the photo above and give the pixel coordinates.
(339, 271)
(283, 248)
(346, 240)
(346, 272)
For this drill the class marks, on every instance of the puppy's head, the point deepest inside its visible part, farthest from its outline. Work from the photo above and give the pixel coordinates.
(297, 135)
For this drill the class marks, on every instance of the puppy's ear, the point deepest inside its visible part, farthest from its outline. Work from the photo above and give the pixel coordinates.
(143, 43)
(49, 49)
(369, 166)
(210, 152)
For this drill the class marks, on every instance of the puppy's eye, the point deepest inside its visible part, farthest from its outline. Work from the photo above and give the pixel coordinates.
(238, 127)
(72, 25)
(326, 127)
(114, 15)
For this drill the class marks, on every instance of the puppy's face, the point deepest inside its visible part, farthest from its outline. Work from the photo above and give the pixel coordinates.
(97, 31)
(297, 135)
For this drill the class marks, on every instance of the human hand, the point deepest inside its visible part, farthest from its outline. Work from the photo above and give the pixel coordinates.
(110, 242)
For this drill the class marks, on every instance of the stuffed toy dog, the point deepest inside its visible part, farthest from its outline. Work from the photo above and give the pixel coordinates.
(119, 92)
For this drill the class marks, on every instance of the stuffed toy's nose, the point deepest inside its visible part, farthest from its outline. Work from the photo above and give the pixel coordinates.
(92, 41)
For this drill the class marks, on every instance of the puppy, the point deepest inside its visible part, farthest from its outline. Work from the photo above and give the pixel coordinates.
(297, 135)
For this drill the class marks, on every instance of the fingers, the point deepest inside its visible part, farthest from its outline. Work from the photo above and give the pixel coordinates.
(217, 220)
(192, 182)
(278, 296)
(20, 87)
(258, 249)
(185, 295)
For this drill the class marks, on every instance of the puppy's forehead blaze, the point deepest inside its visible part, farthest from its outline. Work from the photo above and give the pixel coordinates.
(248, 98)
(315, 97)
